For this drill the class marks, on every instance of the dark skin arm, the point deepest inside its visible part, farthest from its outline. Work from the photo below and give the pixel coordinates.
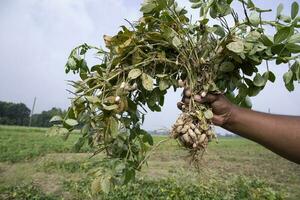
(279, 133)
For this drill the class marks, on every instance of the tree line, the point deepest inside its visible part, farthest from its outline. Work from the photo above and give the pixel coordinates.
(19, 114)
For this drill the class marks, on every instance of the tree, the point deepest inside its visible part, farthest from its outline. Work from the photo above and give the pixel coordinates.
(43, 119)
(14, 114)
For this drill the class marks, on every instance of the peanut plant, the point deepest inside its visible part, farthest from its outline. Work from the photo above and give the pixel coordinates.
(166, 49)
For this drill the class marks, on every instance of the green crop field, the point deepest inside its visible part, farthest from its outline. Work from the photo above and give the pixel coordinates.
(34, 166)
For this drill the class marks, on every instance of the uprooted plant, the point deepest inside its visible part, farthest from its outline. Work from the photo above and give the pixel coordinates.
(166, 49)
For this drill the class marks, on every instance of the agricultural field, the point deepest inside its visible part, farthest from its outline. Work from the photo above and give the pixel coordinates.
(34, 166)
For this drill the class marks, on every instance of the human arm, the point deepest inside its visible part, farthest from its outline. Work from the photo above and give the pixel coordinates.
(279, 133)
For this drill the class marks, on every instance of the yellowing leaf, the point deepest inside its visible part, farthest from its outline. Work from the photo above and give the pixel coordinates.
(107, 40)
(254, 18)
(105, 184)
(148, 7)
(113, 126)
(56, 119)
(163, 85)
(111, 107)
(237, 47)
(208, 114)
(134, 73)
(147, 82)
(93, 99)
(71, 122)
(126, 43)
(96, 185)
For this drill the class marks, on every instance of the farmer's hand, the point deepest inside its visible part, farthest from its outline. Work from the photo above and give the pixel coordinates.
(266, 129)
(221, 107)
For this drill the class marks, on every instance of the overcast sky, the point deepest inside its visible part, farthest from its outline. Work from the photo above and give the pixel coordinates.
(36, 37)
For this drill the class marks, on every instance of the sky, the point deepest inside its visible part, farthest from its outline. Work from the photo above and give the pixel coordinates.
(36, 37)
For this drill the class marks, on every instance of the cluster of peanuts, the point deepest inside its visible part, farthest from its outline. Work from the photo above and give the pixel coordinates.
(190, 134)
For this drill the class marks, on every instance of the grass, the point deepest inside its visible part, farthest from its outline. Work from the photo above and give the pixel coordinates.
(21, 143)
(47, 168)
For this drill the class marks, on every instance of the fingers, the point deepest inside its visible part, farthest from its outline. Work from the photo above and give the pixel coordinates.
(218, 120)
(209, 98)
(203, 98)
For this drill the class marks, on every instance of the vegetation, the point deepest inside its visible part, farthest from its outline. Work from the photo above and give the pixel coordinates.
(43, 119)
(14, 114)
(19, 114)
(18, 144)
(166, 49)
(236, 169)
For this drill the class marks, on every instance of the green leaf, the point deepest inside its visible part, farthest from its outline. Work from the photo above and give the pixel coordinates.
(250, 4)
(290, 86)
(287, 77)
(296, 70)
(148, 7)
(72, 63)
(254, 18)
(196, 5)
(293, 48)
(227, 67)
(129, 175)
(71, 122)
(259, 80)
(294, 10)
(254, 90)
(266, 40)
(219, 31)
(279, 10)
(237, 47)
(56, 119)
(294, 38)
(78, 145)
(134, 73)
(246, 102)
(148, 138)
(163, 84)
(282, 35)
(113, 126)
(208, 114)
(147, 82)
(243, 90)
(269, 76)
